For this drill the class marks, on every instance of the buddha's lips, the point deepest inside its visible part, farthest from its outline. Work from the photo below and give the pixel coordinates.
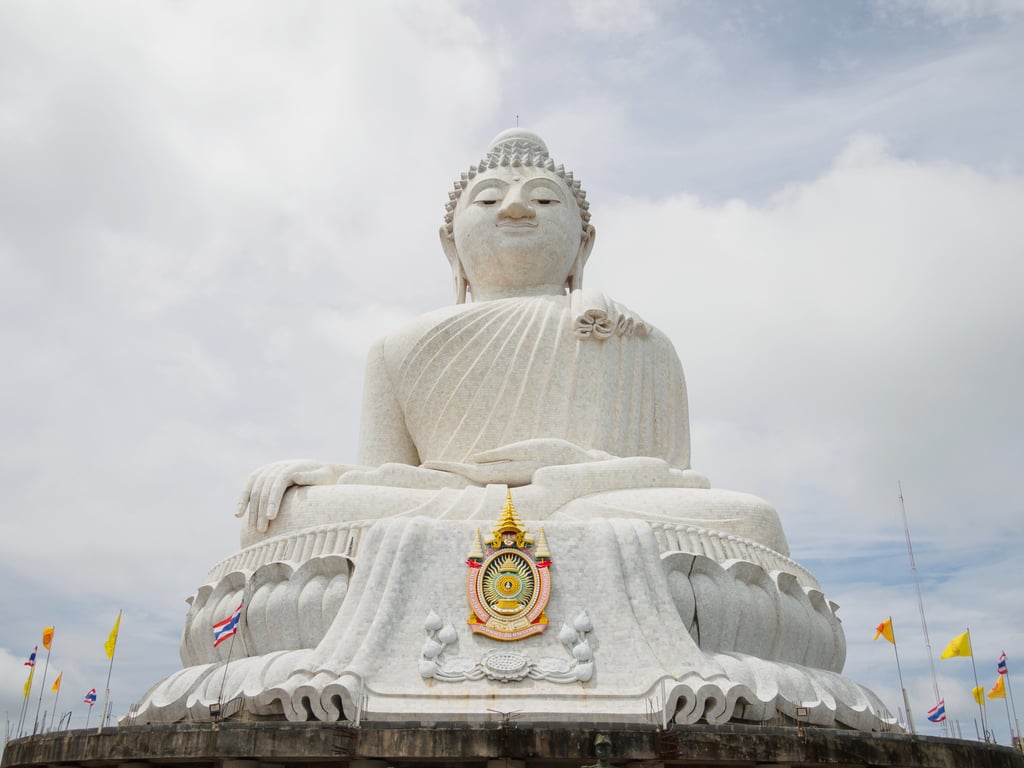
(517, 223)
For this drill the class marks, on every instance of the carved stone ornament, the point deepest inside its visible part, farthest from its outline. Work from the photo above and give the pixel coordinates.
(509, 581)
(507, 665)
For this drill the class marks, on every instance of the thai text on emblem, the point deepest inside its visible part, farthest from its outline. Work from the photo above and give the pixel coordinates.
(509, 579)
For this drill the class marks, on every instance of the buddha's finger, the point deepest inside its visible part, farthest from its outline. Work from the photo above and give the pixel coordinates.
(455, 468)
(523, 450)
(542, 450)
(320, 476)
(261, 494)
(274, 495)
(250, 496)
(514, 452)
(243, 500)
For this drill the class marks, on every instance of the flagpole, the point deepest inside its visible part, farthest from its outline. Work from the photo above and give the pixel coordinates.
(231, 645)
(21, 717)
(110, 669)
(920, 602)
(906, 698)
(27, 694)
(1009, 690)
(42, 687)
(224, 680)
(981, 704)
(87, 716)
(1008, 723)
(56, 696)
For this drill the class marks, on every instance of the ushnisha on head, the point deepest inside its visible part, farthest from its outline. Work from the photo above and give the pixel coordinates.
(516, 223)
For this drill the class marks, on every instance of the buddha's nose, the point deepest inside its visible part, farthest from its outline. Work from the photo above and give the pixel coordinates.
(516, 206)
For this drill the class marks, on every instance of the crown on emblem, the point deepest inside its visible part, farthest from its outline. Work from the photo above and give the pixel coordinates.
(509, 523)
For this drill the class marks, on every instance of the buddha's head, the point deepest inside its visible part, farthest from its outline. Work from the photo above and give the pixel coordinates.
(516, 224)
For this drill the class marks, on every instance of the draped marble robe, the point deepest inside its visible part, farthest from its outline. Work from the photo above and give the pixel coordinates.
(584, 370)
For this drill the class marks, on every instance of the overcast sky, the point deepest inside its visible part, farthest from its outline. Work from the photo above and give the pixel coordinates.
(208, 211)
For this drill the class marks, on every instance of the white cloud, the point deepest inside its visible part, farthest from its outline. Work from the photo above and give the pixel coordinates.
(613, 18)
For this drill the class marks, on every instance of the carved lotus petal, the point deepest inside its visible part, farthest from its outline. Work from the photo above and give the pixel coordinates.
(447, 635)
(582, 622)
(433, 622)
(582, 651)
(427, 668)
(567, 635)
(584, 671)
(431, 649)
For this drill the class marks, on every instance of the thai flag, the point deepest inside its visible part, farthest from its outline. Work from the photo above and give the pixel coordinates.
(1001, 664)
(222, 630)
(90, 697)
(32, 658)
(937, 714)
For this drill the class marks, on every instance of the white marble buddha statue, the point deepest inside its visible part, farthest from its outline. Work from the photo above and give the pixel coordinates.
(535, 384)
(670, 594)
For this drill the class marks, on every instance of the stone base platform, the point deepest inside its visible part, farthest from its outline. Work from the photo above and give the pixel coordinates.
(501, 744)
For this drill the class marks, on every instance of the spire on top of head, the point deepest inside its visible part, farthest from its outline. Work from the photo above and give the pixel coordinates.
(517, 141)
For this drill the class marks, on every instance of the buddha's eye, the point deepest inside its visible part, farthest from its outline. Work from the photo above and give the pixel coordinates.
(489, 195)
(543, 195)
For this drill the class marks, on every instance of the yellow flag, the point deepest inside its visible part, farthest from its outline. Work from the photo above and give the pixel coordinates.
(112, 640)
(998, 691)
(885, 630)
(56, 683)
(47, 637)
(978, 694)
(958, 646)
(28, 683)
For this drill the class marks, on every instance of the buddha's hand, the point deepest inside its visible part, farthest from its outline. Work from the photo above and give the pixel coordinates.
(515, 463)
(267, 485)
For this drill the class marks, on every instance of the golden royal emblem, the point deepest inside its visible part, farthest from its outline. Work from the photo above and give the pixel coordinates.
(509, 580)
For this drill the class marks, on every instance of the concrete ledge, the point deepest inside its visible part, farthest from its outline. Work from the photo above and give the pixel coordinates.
(536, 746)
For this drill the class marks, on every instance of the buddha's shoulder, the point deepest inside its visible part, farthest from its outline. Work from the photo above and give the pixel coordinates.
(396, 344)
(413, 330)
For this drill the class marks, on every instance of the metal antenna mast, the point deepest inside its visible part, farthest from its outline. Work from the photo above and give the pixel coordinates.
(920, 601)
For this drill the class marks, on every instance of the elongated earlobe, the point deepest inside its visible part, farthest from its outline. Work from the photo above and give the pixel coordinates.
(461, 283)
(575, 281)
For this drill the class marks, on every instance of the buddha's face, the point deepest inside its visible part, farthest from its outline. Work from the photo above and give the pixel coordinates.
(517, 227)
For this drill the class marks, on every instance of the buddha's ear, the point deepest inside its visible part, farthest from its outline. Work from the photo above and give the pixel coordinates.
(587, 243)
(575, 281)
(448, 246)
